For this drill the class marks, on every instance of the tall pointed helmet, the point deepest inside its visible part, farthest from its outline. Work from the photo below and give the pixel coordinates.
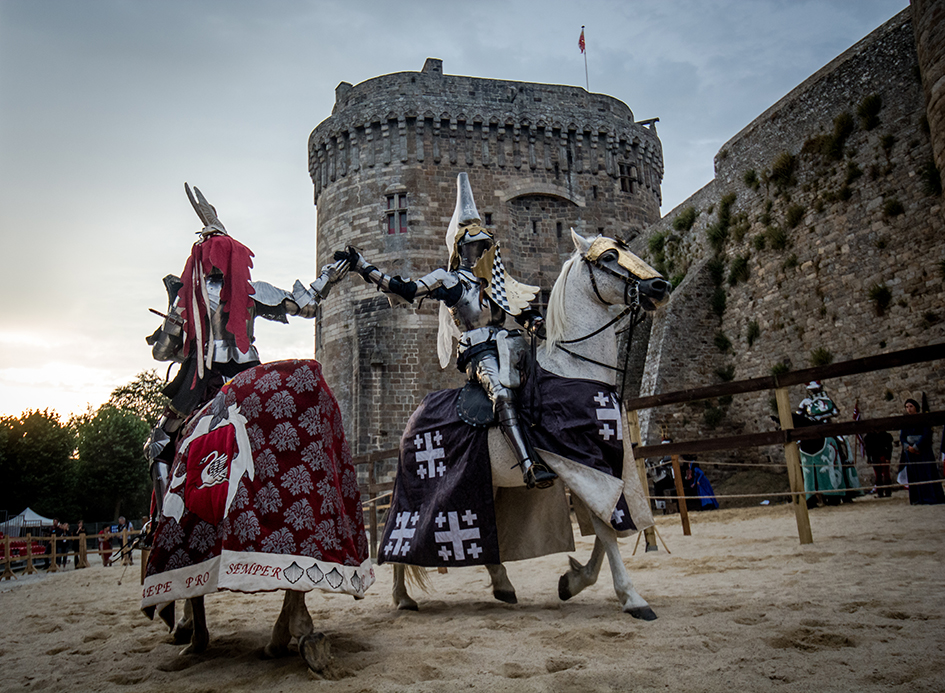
(466, 224)
(206, 211)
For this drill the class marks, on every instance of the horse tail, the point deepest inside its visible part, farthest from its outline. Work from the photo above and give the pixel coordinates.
(417, 577)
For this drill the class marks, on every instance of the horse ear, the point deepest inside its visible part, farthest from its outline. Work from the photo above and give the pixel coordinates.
(580, 243)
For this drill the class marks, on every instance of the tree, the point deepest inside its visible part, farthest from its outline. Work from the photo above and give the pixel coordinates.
(143, 396)
(112, 475)
(36, 465)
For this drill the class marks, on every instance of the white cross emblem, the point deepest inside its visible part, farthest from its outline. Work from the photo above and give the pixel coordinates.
(430, 455)
(401, 534)
(617, 516)
(456, 536)
(608, 410)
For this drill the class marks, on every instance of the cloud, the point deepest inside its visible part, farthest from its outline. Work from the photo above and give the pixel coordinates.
(109, 106)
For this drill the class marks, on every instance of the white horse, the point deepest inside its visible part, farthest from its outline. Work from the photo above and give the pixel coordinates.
(581, 344)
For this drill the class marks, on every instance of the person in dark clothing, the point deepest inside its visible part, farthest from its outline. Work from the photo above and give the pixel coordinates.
(697, 485)
(919, 462)
(879, 445)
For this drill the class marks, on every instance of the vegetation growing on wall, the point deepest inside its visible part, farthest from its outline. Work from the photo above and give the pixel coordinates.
(782, 170)
(892, 208)
(821, 356)
(751, 179)
(685, 219)
(868, 111)
(739, 270)
(794, 215)
(881, 297)
(722, 342)
(726, 373)
(830, 146)
(753, 332)
(717, 232)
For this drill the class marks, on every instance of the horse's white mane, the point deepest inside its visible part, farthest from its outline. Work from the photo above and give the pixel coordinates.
(555, 318)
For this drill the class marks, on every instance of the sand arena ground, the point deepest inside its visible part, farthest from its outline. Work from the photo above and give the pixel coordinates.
(742, 606)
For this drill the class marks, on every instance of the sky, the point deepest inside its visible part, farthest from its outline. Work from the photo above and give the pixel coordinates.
(108, 106)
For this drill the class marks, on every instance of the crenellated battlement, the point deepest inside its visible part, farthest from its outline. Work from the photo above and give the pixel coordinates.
(428, 117)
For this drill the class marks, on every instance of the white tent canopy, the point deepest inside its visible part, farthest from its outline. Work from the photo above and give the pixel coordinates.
(27, 518)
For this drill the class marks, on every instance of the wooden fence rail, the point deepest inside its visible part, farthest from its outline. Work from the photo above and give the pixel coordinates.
(788, 435)
(52, 542)
(372, 489)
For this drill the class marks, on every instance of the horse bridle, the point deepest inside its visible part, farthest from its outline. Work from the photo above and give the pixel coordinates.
(631, 294)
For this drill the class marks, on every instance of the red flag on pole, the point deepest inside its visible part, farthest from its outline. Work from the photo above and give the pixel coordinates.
(581, 40)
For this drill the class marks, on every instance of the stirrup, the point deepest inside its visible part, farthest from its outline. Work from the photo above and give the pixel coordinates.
(538, 476)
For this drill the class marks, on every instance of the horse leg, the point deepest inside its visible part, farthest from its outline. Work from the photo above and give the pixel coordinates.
(294, 621)
(402, 600)
(580, 576)
(184, 628)
(632, 602)
(502, 588)
(201, 637)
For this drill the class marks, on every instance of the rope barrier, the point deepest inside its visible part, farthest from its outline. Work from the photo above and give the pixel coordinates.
(371, 501)
(777, 494)
(718, 464)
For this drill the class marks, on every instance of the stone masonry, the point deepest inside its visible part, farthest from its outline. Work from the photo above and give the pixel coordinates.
(541, 159)
(821, 237)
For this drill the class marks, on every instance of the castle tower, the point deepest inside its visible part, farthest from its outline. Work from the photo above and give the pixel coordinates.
(541, 159)
(928, 21)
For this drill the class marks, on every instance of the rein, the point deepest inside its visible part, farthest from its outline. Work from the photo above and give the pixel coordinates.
(633, 305)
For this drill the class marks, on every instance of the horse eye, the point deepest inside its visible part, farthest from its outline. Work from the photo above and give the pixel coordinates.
(609, 256)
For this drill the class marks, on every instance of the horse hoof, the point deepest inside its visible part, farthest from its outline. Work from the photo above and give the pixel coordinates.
(274, 651)
(564, 589)
(652, 548)
(194, 648)
(507, 596)
(182, 636)
(407, 604)
(644, 613)
(316, 651)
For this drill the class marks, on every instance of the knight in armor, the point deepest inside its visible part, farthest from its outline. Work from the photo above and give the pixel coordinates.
(208, 329)
(817, 406)
(476, 296)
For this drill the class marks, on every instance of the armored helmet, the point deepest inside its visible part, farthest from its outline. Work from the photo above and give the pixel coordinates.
(466, 226)
(212, 225)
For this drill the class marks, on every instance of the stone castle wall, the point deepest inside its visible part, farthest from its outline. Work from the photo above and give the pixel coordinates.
(541, 159)
(929, 27)
(833, 248)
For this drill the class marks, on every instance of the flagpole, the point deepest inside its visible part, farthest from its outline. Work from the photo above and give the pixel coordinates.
(587, 82)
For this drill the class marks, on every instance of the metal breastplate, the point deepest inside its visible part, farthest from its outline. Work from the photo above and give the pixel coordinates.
(224, 342)
(474, 309)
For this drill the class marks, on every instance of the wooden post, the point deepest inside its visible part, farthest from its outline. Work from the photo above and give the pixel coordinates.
(372, 510)
(125, 551)
(83, 552)
(7, 570)
(795, 475)
(681, 496)
(30, 568)
(633, 428)
(54, 560)
(145, 555)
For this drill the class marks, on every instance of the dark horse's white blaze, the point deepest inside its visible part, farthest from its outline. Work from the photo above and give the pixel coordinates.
(581, 303)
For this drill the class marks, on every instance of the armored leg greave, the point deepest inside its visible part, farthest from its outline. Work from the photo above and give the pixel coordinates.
(535, 473)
